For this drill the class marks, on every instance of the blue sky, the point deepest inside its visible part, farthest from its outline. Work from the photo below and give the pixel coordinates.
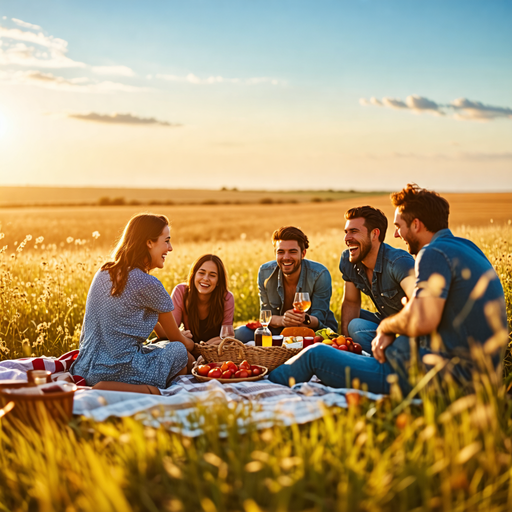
(257, 94)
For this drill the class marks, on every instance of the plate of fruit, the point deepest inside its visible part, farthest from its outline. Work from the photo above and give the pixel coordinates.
(228, 371)
(344, 343)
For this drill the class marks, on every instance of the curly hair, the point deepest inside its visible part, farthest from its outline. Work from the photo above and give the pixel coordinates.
(414, 202)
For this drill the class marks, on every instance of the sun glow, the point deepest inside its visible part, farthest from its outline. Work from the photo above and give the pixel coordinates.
(3, 124)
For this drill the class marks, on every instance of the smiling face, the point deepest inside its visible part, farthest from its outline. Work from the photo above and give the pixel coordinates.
(289, 256)
(406, 234)
(357, 239)
(206, 278)
(158, 250)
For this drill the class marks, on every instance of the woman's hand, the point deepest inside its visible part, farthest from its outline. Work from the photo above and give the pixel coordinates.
(187, 334)
(214, 341)
(168, 324)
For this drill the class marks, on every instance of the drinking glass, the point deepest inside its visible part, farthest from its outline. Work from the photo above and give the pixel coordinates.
(265, 317)
(301, 302)
(227, 331)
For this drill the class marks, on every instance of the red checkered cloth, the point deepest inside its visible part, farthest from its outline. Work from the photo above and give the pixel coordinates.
(57, 366)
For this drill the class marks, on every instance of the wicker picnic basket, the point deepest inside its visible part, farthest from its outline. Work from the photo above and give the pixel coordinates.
(231, 349)
(34, 409)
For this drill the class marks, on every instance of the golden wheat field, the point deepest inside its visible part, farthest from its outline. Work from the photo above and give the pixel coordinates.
(452, 452)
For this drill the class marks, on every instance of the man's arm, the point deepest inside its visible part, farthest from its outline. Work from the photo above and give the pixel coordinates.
(350, 306)
(420, 316)
(407, 285)
(276, 320)
(320, 297)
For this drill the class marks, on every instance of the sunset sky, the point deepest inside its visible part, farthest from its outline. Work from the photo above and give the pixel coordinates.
(267, 94)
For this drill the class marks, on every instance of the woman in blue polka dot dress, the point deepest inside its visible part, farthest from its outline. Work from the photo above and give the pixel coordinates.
(124, 304)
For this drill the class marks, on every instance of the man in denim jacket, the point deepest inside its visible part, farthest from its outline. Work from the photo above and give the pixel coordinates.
(456, 315)
(290, 272)
(374, 268)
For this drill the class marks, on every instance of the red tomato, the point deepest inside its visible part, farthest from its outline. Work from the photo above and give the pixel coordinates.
(227, 374)
(232, 366)
(215, 373)
(243, 374)
(244, 365)
(358, 349)
(249, 373)
(214, 365)
(256, 371)
(343, 347)
(318, 339)
(203, 369)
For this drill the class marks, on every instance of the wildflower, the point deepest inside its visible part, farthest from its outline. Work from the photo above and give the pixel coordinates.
(28, 238)
(39, 239)
(96, 235)
(69, 239)
(2, 234)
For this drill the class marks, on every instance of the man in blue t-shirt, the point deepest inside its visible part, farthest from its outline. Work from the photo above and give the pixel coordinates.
(458, 303)
(374, 268)
(456, 314)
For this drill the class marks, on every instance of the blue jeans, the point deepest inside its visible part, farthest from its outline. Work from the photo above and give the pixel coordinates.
(244, 334)
(363, 329)
(329, 365)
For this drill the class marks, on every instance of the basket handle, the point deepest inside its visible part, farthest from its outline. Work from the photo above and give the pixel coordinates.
(239, 344)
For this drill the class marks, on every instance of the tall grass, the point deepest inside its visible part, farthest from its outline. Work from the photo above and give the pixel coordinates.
(452, 453)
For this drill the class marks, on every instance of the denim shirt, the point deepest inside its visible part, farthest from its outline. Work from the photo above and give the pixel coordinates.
(314, 279)
(471, 311)
(392, 266)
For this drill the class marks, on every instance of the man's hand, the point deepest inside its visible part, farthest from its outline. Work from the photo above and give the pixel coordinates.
(379, 345)
(292, 319)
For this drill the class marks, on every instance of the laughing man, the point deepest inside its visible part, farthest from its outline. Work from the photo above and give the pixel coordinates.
(457, 310)
(374, 268)
(291, 272)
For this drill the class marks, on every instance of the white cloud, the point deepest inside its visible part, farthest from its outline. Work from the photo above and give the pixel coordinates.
(51, 55)
(80, 84)
(193, 79)
(113, 70)
(393, 103)
(466, 110)
(475, 110)
(120, 119)
(38, 50)
(24, 24)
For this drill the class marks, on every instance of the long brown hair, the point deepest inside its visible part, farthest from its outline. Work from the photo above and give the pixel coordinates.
(217, 297)
(132, 249)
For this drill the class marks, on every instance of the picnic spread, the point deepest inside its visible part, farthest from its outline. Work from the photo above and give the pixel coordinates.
(263, 402)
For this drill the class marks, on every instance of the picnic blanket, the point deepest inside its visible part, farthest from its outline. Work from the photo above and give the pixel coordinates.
(261, 404)
(16, 369)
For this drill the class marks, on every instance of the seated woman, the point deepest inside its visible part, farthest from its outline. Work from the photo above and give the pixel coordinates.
(204, 304)
(124, 304)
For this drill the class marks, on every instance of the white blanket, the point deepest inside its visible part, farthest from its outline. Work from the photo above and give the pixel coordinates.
(263, 404)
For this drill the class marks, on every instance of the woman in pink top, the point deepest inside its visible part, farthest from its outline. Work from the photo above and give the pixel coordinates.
(204, 303)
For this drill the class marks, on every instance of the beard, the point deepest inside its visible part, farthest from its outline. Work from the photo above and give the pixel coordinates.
(295, 268)
(413, 244)
(364, 249)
